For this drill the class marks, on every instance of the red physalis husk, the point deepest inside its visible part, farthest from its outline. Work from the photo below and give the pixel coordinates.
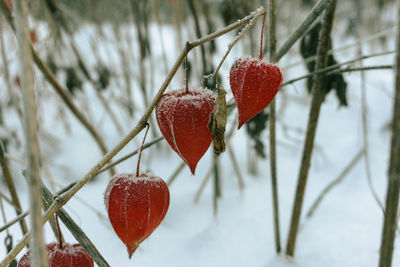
(66, 255)
(254, 83)
(136, 205)
(183, 117)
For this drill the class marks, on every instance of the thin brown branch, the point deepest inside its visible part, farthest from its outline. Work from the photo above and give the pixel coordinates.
(118, 161)
(217, 183)
(272, 129)
(11, 188)
(317, 99)
(39, 255)
(9, 201)
(175, 174)
(19, 218)
(303, 27)
(64, 198)
(235, 165)
(364, 119)
(337, 66)
(340, 48)
(193, 10)
(393, 187)
(261, 11)
(203, 185)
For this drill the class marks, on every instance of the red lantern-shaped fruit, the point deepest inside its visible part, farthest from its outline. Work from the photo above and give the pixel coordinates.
(254, 84)
(183, 117)
(136, 205)
(62, 255)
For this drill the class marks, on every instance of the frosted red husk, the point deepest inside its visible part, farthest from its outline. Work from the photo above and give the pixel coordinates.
(254, 84)
(66, 256)
(183, 118)
(136, 206)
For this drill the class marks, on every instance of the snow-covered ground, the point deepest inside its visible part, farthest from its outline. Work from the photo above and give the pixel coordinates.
(344, 231)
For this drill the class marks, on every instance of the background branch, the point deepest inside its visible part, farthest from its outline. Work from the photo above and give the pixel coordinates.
(317, 99)
(393, 187)
(39, 254)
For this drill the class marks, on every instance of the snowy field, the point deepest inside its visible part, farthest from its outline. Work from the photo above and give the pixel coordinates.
(344, 231)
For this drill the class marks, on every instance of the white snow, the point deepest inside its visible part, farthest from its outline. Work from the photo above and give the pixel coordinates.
(344, 231)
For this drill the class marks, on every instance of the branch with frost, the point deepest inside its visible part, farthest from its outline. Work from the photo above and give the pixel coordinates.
(65, 197)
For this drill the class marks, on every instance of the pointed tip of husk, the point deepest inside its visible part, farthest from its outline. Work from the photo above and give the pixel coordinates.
(240, 124)
(131, 250)
(192, 169)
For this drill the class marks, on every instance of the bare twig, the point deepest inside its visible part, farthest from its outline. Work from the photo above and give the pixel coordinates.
(9, 201)
(203, 185)
(335, 182)
(39, 255)
(118, 161)
(272, 129)
(13, 98)
(340, 48)
(217, 183)
(261, 11)
(336, 67)
(317, 99)
(175, 174)
(20, 217)
(193, 10)
(155, 8)
(235, 165)
(64, 198)
(364, 119)
(303, 27)
(393, 187)
(11, 188)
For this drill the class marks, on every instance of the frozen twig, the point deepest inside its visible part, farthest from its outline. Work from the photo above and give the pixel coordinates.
(39, 255)
(65, 197)
(393, 187)
(76, 231)
(317, 99)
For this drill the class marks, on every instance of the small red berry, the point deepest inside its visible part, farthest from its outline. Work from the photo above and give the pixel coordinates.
(136, 205)
(66, 256)
(254, 83)
(183, 117)
(33, 36)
